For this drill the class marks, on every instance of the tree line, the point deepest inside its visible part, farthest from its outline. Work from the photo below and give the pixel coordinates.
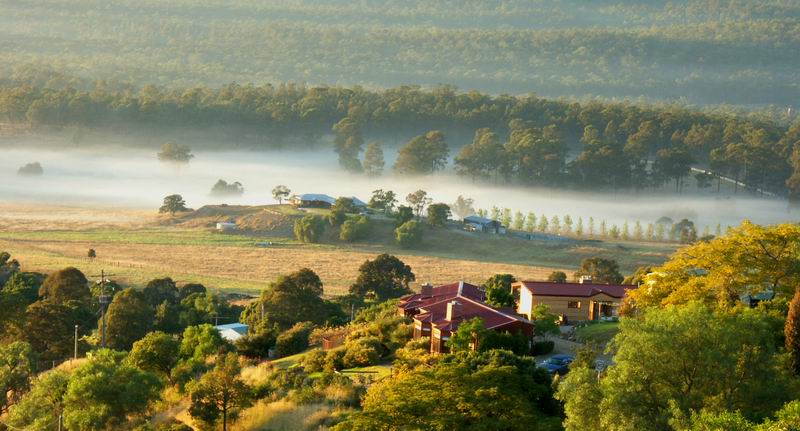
(525, 139)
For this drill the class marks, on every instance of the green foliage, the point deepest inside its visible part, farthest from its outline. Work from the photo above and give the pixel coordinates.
(105, 391)
(17, 364)
(469, 336)
(438, 214)
(173, 204)
(49, 328)
(355, 229)
(362, 352)
(309, 229)
(726, 267)
(373, 159)
(386, 277)
(498, 290)
(280, 192)
(602, 270)
(156, 352)
(383, 200)
(557, 277)
(494, 390)
(409, 234)
(129, 318)
(297, 297)
(293, 340)
(423, 154)
(258, 342)
(66, 285)
(39, 409)
(544, 321)
(171, 152)
(792, 333)
(678, 360)
(404, 214)
(220, 394)
(200, 342)
(160, 290)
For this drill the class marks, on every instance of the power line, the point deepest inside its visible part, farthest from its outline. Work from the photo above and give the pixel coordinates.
(104, 301)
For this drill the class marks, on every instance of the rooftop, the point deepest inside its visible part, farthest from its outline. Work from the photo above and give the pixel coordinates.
(547, 288)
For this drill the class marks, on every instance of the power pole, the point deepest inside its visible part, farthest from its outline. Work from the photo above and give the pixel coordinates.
(75, 356)
(104, 301)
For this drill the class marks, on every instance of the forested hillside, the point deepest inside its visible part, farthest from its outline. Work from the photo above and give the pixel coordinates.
(702, 51)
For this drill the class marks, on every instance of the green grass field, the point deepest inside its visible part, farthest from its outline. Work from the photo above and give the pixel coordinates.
(598, 333)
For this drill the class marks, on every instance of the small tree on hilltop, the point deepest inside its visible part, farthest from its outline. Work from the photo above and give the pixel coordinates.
(220, 394)
(438, 214)
(792, 332)
(173, 204)
(280, 192)
(403, 215)
(409, 234)
(91, 254)
(418, 201)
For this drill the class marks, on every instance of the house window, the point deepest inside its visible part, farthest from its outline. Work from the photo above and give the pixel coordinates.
(574, 304)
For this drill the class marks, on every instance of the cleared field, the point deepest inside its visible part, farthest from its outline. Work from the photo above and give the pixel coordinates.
(138, 246)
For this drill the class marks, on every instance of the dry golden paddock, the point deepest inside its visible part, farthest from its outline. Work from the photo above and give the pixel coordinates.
(139, 245)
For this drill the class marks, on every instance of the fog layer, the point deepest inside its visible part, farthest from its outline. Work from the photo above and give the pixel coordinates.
(135, 178)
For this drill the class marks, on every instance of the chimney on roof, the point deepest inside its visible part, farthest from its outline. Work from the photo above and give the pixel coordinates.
(585, 279)
(426, 290)
(453, 310)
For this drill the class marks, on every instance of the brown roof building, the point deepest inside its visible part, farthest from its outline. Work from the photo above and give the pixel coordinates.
(437, 312)
(574, 301)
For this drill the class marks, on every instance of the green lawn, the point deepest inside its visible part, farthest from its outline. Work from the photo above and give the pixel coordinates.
(377, 372)
(598, 333)
(289, 361)
(155, 236)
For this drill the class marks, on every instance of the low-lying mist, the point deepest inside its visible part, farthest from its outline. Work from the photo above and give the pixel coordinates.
(125, 177)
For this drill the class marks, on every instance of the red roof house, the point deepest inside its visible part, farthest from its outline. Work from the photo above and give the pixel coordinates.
(438, 311)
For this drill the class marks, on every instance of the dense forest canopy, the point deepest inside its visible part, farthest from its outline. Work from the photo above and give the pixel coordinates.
(703, 51)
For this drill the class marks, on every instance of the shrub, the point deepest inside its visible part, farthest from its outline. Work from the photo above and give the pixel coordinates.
(314, 360)
(355, 229)
(409, 234)
(542, 347)
(362, 352)
(309, 228)
(337, 217)
(334, 360)
(294, 340)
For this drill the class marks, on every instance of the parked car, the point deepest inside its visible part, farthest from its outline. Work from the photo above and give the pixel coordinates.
(557, 364)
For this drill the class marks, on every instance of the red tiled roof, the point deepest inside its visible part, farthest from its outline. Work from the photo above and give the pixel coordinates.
(442, 293)
(436, 314)
(546, 288)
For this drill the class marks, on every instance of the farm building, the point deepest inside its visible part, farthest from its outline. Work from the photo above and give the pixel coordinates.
(574, 302)
(481, 224)
(232, 331)
(438, 311)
